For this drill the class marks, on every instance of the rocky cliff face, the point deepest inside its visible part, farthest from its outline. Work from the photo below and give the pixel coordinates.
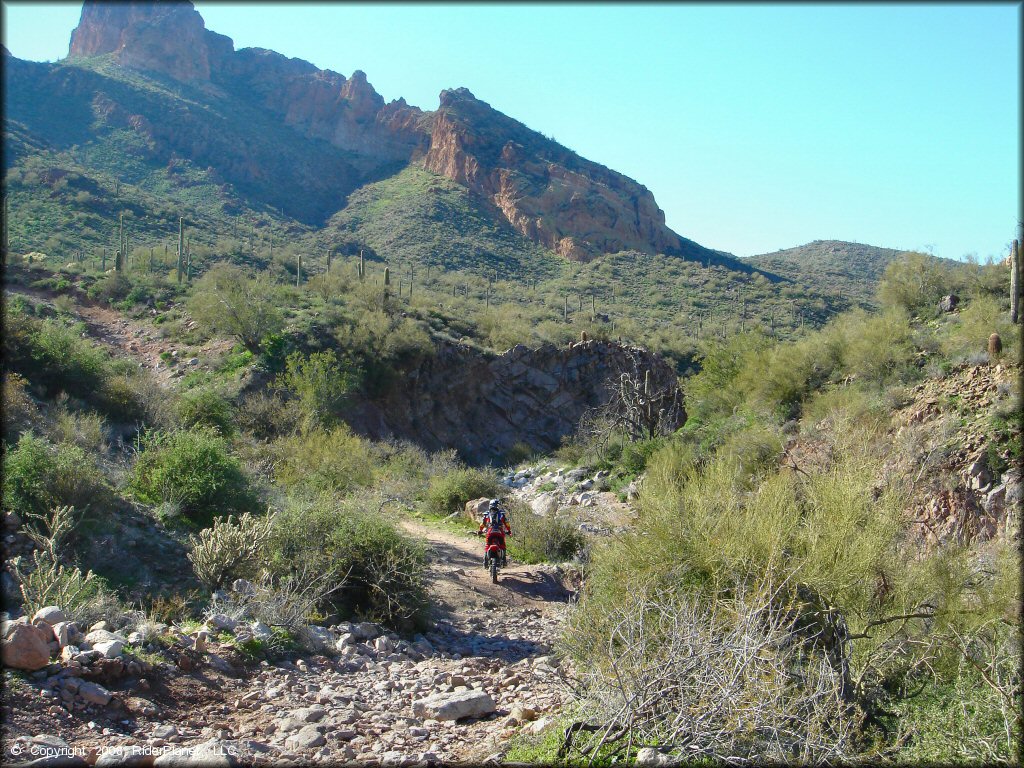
(548, 193)
(573, 206)
(487, 404)
(158, 36)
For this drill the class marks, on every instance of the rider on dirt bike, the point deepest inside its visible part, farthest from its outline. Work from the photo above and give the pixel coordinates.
(496, 524)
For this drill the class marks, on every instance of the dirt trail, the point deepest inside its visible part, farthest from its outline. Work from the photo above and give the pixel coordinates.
(124, 336)
(460, 585)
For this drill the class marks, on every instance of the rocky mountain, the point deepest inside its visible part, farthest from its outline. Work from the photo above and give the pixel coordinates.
(853, 268)
(154, 74)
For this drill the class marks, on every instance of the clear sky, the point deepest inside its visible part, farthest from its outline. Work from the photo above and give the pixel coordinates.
(757, 127)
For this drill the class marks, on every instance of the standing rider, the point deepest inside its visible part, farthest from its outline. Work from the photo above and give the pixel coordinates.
(496, 524)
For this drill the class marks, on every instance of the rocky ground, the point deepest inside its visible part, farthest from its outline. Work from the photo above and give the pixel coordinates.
(484, 671)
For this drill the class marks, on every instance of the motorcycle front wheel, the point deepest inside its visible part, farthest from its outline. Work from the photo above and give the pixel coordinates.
(494, 571)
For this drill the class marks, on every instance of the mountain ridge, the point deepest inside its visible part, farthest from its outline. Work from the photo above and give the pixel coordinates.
(575, 207)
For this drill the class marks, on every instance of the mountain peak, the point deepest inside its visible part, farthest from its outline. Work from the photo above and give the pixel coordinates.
(166, 36)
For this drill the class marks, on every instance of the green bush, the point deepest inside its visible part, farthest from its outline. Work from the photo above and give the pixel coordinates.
(205, 407)
(321, 385)
(228, 301)
(538, 539)
(381, 569)
(449, 492)
(39, 476)
(324, 460)
(192, 471)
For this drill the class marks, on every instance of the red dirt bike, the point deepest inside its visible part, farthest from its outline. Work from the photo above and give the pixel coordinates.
(495, 556)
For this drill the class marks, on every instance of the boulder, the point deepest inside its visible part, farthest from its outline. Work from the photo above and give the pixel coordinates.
(94, 693)
(51, 614)
(308, 737)
(545, 505)
(454, 706)
(949, 302)
(97, 636)
(365, 630)
(67, 633)
(110, 649)
(477, 508)
(26, 647)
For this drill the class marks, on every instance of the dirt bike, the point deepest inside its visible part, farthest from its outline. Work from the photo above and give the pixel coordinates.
(495, 556)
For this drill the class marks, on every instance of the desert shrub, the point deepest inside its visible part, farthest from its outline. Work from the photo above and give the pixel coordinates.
(449, 492)
(229, 549)
(702, 676)
(226, 300)
(713, 392)
(538, 539)
(320, 383)
(324, 460)
(194, 471)
(877, 348)
(39, 476)
(967, 333)
(205, 407)
(381, 569)
(915, 282)
(83, 429)
(267, 415)
(20, 413)
(63, 361)
(755, 449)
(110, 289)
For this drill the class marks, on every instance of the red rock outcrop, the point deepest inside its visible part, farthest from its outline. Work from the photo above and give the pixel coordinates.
(159, 36)
(548, 193)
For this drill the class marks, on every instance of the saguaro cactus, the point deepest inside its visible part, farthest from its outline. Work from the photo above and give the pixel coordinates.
(181, 247)
(362, 265)
(1014, 282)
(298, 269)
(7, 236)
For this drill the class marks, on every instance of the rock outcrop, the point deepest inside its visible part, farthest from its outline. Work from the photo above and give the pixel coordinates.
(571, 205)
(549, 194)
(158, 36)
(486, 404)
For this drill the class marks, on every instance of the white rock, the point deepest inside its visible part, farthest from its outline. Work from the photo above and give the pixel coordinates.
(96, 636)
(651, 756)
(110, 649)
(454, 706)
(51, 614)
(545, 505)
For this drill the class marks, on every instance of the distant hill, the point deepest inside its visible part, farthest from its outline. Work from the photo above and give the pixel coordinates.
(831, 266)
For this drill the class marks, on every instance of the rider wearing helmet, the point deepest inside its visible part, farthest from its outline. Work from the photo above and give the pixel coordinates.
(495, 517)
(496, 524)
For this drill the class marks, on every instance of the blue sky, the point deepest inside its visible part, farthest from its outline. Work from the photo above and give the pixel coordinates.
(757, 127)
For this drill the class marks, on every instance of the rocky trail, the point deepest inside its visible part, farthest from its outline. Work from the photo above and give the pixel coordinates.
(458, 692)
